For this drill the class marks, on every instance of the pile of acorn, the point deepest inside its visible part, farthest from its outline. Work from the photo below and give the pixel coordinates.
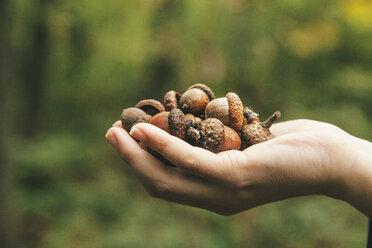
(215, 124)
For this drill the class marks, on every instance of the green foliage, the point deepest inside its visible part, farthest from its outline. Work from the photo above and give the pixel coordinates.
(310, 59)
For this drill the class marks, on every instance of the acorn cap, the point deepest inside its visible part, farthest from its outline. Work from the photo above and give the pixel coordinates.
(192, 121)
(171, 99)
(150, 106)
(132, 116)
(254, 133)
(177, 124)
(257, 132)
(212, 134)
(236, 111)
(204, 88)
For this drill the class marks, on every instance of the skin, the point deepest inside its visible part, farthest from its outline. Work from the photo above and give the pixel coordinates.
(306, 157)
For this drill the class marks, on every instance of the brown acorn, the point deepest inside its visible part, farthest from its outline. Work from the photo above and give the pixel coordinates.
(192, 121)
(232, 140)
(132, 116)
(171, 100)
(195, 99)
(227, 109)
(214, 136)
(172, 122)
(193, 125)
(150, 106)
(161, 121)
(257, 132)
(177, 124)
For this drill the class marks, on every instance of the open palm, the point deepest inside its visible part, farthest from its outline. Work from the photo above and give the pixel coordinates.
(299, 161)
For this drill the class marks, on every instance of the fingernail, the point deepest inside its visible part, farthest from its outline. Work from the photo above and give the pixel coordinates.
(137, 134)
(111, 138)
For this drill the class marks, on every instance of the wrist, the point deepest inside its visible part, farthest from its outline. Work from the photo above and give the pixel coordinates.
(356, 176)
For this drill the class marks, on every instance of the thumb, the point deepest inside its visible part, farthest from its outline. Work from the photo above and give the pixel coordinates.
(177, 151)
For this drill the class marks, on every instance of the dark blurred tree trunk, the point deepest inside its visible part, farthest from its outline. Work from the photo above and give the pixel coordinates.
(26, 89)
(33, 71)
(32, 82)
(6, 120)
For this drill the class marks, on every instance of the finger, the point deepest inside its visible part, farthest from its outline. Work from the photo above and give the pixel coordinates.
(143, 163)
(185, 188)
(117, 124)
(169, 183)
(193, 159)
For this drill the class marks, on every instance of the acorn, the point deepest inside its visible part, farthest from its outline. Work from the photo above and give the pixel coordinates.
(227, 109)
(171, 100)
(150, 106)
(192, 121)
(193, 124)
(198, 118)
(214, 136)
(257, 132)
(161, 121)
(195, 99)
(232, 140)
(132, 116)
(172, 122)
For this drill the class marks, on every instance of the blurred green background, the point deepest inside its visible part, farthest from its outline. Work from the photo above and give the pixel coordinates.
(69, 67)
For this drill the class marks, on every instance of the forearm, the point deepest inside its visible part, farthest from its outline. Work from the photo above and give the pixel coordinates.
(358, 176)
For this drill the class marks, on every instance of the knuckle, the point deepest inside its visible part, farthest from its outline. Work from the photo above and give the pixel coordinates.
(161, 145)
(191, 162)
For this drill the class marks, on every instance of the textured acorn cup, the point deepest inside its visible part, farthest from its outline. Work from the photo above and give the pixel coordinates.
(227, 109)
(171, 100)
(177, 124)
(192, 121)
(150, 106)
(257, 132)
(195, 99)
(193, 125)
(214, 136)
(132, 116)
(172, 122)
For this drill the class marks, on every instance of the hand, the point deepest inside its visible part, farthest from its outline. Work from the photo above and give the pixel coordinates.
(306, 157)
